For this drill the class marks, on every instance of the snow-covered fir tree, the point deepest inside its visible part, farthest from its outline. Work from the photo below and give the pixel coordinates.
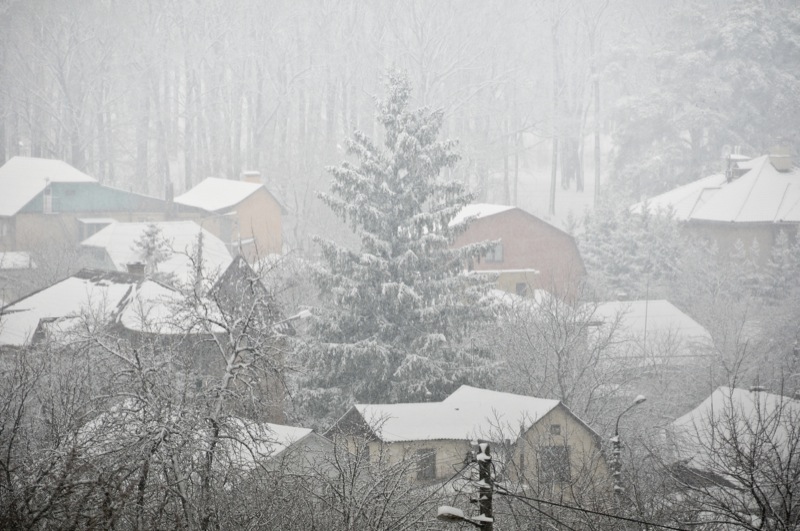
(399, 310)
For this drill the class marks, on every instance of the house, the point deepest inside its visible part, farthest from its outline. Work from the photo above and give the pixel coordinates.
(46, 201)
(130, 302)
(244, 445)
(542, 441)
(236, 320)
(244, 214)
(735, 457)
(530, 253)
(120, 246)
(650, 332)
(754, 199)
(289, 449)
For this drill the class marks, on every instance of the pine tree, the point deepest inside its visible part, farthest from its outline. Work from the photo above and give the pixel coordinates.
(152, 248)
(401, 307)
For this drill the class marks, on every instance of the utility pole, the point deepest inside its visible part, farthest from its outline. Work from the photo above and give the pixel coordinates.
(486, 487)
(485, 484)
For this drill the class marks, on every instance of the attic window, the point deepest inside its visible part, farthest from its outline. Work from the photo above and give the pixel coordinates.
(495, 254)
(426, 463)
(555, 429)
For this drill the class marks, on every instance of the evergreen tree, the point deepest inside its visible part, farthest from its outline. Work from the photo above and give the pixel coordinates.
(630, 254)
(400, 309)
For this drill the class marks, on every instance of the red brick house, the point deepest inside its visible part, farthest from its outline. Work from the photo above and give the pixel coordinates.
(530, 253)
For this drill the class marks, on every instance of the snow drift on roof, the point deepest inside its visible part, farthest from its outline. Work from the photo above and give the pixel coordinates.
(214, 194)
(23, 178)
(467, 413)
(119, 239)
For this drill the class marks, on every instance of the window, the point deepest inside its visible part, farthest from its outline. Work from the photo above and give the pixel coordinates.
(555, 429)
(495, 254)
(426, 463)
(554, 464)
(522, 289)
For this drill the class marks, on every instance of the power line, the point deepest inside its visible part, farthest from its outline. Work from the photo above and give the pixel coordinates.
(505, 492)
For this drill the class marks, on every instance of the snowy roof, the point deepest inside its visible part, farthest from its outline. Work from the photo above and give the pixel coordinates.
(16, 260)
(215, 194)
(243, 442)
(135, 303)
(262, 440)
(652, 316)
(23, 178)
(700, 432)
(655, 328)
(467, 413)
(683, 201)
(118, 239)
(763, 194)
(478, 210)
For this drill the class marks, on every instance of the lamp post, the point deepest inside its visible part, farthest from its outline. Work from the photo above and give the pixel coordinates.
(616, 451)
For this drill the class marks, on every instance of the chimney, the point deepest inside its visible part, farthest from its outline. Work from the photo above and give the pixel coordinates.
(732, 160)
(136, 269)
(780, 158)
(252, 176)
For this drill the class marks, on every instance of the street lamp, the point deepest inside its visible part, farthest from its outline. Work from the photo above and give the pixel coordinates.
(616, 452)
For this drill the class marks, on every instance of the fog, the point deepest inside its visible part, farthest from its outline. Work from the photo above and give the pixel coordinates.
(552, 102)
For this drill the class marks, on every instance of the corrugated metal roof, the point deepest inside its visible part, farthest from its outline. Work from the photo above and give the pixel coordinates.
(467, 413)
(762, 195)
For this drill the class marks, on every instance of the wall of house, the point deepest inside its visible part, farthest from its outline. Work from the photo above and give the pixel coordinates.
(256, 222)
(259, 219)
(35, 230)
(528, 243)
(449, 455)
(726, 235)
(588, 471)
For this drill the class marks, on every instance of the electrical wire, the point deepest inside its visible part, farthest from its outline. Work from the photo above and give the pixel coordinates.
(437, 489)
(588, 511)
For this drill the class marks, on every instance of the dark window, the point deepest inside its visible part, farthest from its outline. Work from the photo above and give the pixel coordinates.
(495, 254)
(555, 429)
(554, 464)
(426, 463)
(522, 289)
